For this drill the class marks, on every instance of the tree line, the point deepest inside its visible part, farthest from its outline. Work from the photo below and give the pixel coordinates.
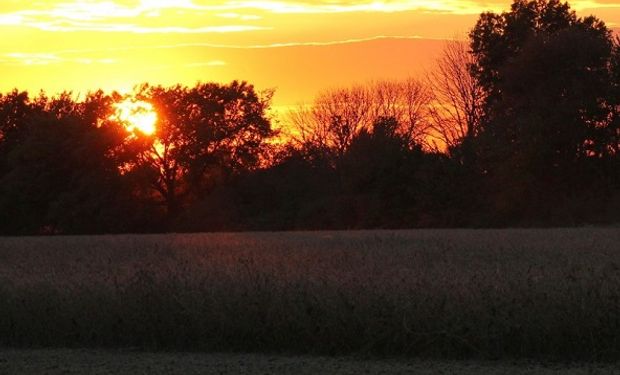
(518, 126)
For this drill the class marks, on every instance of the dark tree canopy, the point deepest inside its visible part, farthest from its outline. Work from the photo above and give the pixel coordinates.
(498, 38)
(519, 127)
(205, 133)
(71, 166)
(59, 171)
(547, 76)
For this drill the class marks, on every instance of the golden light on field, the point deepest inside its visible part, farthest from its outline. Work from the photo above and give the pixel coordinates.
(137, 115)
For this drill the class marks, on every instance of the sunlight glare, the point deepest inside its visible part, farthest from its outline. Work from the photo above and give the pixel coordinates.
(137, 115)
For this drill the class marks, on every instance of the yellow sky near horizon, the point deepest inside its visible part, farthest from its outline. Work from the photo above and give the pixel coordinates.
(296, 47)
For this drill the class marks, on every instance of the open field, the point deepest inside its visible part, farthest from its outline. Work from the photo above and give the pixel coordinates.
(108, 362)
(481, 294)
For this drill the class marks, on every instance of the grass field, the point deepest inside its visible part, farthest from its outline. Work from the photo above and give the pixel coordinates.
(481, 294)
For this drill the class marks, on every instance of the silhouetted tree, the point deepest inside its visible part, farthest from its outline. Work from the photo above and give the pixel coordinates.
(328, 126)
(529, 116)
(204, 134)
(612, 134)
(61, 177)
(497, 38)
(335, 117)
(458, 100)
(15, 111)
(546, 78)
(407, 102)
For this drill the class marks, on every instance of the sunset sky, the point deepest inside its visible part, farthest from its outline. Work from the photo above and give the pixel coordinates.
(296, 47)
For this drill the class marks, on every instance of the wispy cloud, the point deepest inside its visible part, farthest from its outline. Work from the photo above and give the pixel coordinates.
(20, 58)
(200, 16)
(243, 17)
(11, 19)
(91, 15)
(216, 63)
(310, 7)
(450, 6)
(139, 29)
(112, 16)
(212, 63)
(588, 4)
(82, 51)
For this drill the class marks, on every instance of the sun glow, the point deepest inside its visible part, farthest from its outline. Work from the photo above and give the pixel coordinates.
(137, 115)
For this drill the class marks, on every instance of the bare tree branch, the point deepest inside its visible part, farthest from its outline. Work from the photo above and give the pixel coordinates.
(456, 95)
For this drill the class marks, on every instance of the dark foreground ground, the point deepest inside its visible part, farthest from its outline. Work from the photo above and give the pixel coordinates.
(99, 362)
(536, 295)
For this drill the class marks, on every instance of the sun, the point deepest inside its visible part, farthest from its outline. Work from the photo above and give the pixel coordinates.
(137, 115)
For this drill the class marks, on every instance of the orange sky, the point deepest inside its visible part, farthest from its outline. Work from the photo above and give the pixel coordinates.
(296, 47)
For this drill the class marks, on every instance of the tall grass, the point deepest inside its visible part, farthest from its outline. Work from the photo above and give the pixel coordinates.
(551, 294)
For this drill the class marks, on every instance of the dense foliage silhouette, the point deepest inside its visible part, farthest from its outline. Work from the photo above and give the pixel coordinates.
(518, 128)
(547, 148)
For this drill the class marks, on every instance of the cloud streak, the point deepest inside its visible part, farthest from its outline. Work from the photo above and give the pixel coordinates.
(297, 45)
(33, 59)
(110, 16)
(138, 29)
(82, 51)
(212, 63)
(196, 16)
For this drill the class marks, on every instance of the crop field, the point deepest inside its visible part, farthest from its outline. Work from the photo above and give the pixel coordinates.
(443, 294)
